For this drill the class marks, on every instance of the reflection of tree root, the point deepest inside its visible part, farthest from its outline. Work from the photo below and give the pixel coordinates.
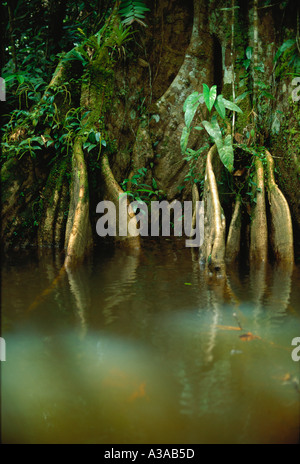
(42, 296)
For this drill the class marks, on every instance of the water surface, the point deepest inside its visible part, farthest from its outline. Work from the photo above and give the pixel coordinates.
(145, 349)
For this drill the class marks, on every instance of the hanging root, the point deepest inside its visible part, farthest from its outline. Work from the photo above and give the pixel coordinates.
(281, 235)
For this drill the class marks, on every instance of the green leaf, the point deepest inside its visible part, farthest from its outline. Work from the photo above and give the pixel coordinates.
(91, 146)
(226, 153)
(92, 137)
(246, 64)
(213, 130)
(219, 105)
(287, 44)
(209, 95)
(190, 113)
(77, 56)
(249, 51)
(154, 183)
(191, 100)
(242, 96)
(231, 106)
(184, 139)
(21, 78)
(206, 94)
(267, 95)
(260, 68)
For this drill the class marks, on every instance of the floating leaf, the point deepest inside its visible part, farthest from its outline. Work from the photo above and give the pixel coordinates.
(228, 327)
(248, 337)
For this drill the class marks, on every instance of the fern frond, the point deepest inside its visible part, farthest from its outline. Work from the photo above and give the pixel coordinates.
(132, 10)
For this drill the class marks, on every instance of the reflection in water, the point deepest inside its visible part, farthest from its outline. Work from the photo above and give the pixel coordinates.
(145, 349)
(100, 390)
(79, 285)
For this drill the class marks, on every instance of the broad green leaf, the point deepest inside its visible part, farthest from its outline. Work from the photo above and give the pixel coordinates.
(219, 105)
(209, 95)
(10, 77)
(226, 153)
(21, 78)
(249, 51)
(212, 95)
(191, 100)
(213, 130)
(287, 44)
(246, 63)
(190, 113)
(91, 146)
(231, 106)
(206, 94)
(92, 137)
(242, 96)
(184, 139)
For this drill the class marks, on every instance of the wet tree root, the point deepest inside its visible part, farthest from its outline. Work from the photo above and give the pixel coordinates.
(274, 234)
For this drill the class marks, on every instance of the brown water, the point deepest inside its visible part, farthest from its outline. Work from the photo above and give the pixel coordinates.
(144, 349)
